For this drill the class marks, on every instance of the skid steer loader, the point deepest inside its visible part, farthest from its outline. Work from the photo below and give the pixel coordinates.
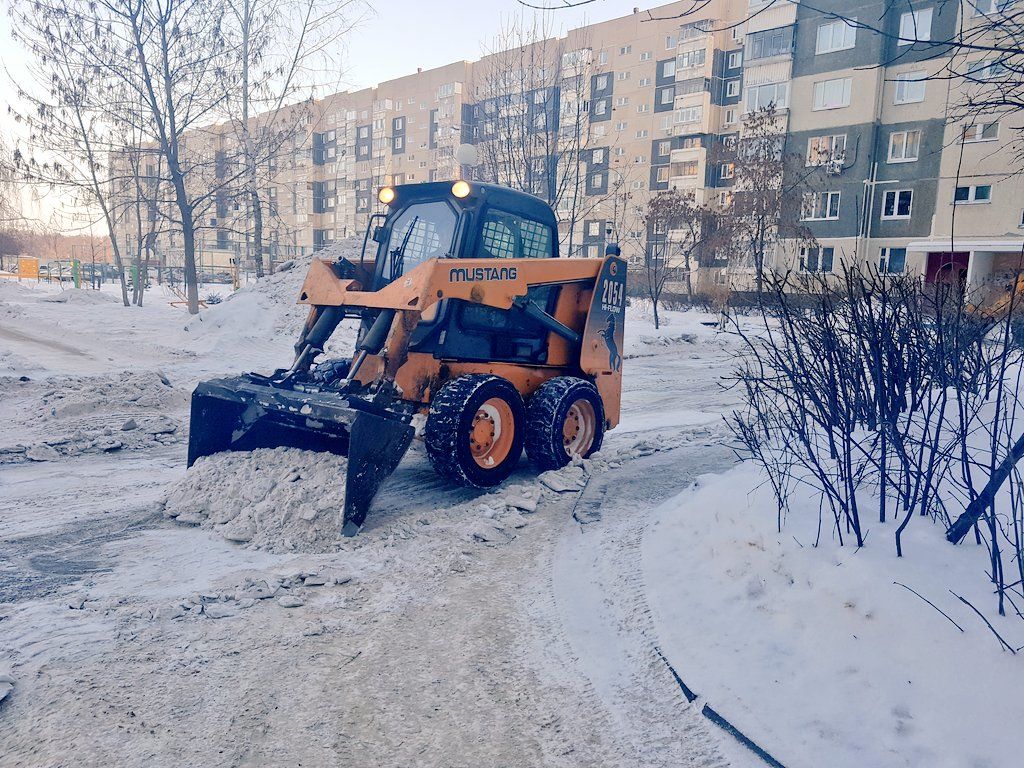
(473, 334)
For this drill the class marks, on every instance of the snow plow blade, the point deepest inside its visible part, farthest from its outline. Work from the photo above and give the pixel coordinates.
(246, 412)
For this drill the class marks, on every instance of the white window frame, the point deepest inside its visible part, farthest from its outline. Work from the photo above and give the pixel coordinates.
(805, 252)
(901, 140)
(625, 49)
(645, 56)
(662, 171)
(780, 102)
(915, 26)
(902, 93)
(668, 68)
(840, 36)
(975, 132)
(822, 204)
(831, 94)
(732, 88)
(735, 59)
(972, 194)
(884, 258)
(817, 156)
(894, 195)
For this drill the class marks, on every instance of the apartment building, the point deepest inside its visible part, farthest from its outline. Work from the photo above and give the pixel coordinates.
(912, 185)
(645, 99)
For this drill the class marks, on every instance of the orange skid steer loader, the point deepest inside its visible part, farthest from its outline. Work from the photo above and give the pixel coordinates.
(472, 332)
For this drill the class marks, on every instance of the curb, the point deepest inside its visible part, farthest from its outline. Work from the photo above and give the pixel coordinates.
(718, 719)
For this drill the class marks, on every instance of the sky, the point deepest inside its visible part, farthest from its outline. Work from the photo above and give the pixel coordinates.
(391, 38)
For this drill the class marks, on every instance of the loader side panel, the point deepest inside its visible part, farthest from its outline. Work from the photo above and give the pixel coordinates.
(603, 336)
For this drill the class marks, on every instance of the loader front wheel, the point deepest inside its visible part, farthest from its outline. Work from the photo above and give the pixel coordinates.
(475, 430)
(564, 418)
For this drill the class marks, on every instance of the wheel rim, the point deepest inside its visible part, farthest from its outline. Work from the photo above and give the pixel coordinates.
(579, 428)
(492, 432)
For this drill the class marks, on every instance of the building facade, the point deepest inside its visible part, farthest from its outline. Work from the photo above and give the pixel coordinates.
(636, 105)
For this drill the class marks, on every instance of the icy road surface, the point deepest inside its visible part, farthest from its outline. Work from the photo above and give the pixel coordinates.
(459, 629)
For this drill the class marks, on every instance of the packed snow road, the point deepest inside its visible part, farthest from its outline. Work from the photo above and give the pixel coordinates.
(459, 628)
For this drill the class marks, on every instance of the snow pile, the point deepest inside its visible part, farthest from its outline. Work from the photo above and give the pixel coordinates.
(80, 296)
(823, 650)
(71, 415)
(266, 308)
(281, 499)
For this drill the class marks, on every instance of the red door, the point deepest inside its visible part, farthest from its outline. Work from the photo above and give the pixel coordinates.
(948, 268)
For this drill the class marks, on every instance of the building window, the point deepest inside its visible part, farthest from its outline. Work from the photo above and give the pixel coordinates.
(689, 169)
(637, 185)
(593, 228)
(692, 58)
(624, 75)
(619, 151)
(668, 68)
(771, 42)
(397, 144)
(904, 146)
(725, 199)
(689, 114)
(986, 69)
(726, 171)
(730, 117)
(735, 59)
(910, 87)
(835, 36)
(772, 95)
(981, 132)
(816, 260)
(601, 83)
(832, 94)
(662, 175)
(644, 82)
(641, 108)
(600, 107)
(976, 193)
(667, 96)
(732, 88)
(622, 101)
(990, 7)
(645, 56)
(597, 156)
(915, 26)
(818, 206)
(626, 49)
(892, 261)
(602, 57)
(641, 134)
(664, 148)
(824, 149)
(621, 126)
(897, 203)
(671, 41)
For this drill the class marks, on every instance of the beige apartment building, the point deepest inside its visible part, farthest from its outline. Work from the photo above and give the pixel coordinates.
(626, 108)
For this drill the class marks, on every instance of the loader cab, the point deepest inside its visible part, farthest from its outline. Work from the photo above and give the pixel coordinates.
(468, 220)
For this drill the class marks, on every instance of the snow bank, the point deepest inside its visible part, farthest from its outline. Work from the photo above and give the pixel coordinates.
(279, 499)
(816, 651)
(65, 416)
(265, 309)
(81, 296)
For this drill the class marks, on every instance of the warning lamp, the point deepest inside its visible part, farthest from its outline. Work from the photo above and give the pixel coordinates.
(460, 189)
(386, 195)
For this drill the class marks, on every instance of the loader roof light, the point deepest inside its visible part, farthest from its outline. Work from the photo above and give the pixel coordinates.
(460, 189)
(386, 195)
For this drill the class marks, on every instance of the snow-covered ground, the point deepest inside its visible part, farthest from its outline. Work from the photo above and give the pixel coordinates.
(149, 617)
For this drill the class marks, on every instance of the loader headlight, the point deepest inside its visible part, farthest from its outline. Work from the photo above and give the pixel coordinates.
(386, 195)
(460, 189)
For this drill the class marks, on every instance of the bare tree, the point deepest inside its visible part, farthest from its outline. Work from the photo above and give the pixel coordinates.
(533, 124)
(279, 47)
(771, 192)
(678, 230)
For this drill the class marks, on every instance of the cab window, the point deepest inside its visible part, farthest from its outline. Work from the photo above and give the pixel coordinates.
(510, 236)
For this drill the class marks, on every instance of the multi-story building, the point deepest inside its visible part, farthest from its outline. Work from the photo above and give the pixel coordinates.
(638, 104)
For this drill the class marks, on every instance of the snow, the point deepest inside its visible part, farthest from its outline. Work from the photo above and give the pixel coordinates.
(816, 649)
(222, 608)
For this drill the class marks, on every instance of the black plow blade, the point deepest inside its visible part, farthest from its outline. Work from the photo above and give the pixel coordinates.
(376, 446)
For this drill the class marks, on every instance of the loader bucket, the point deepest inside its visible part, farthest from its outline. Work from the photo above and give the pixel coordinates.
(245, 412)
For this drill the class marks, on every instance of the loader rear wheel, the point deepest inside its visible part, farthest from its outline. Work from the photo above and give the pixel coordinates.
(564, 418)
(475, 430)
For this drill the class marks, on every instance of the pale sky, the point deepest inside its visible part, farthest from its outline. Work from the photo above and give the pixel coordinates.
(393, 38)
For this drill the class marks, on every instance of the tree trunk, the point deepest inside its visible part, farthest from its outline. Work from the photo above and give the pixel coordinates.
(977, 508)
(257, 231)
